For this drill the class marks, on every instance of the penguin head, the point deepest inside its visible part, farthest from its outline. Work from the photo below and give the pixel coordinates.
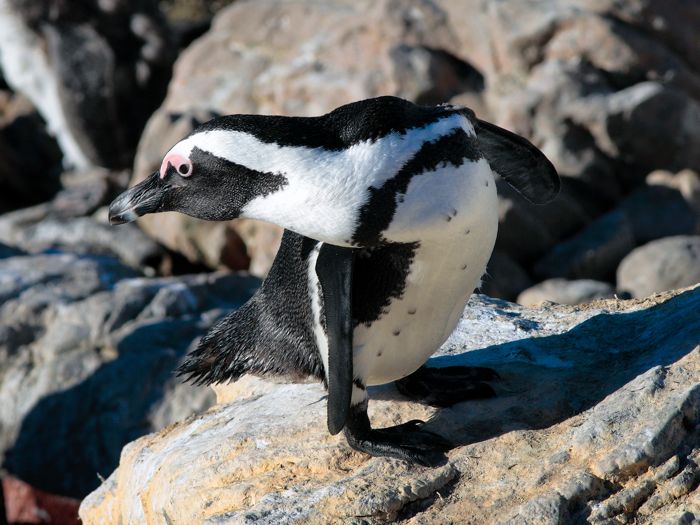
(196, 178)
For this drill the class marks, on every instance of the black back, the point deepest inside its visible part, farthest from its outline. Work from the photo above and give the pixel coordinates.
(347, 125)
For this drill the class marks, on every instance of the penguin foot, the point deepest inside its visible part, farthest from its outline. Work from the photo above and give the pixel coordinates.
(443, 387)
(407, 441)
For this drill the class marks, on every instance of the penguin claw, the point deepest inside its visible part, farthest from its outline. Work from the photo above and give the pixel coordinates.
(443, 387)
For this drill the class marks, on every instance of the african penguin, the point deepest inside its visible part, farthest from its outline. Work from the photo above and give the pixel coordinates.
(390, 215)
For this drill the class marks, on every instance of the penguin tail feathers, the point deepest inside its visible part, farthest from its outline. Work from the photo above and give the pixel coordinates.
(222, 354)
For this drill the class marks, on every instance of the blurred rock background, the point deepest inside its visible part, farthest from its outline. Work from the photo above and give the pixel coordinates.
(92, 93)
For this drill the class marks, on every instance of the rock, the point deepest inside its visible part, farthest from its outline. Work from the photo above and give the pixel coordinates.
(31, 160)
(665, 264)
(609, 90)
(521, 234)
(656, 211)
(504, 278)
(527, 231)
(594, 253)
(562, 291)
(87, 351)
(650, 212)
(95, 71)
(287, 57)
(42, 228)
(25, 504)
(9, 251)
(687, 182)
(587, 411)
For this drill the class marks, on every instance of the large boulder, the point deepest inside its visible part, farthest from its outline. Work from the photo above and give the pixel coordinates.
(609, 89)
(591, 421)
(87, 350)
(662, 208)
(295, 58)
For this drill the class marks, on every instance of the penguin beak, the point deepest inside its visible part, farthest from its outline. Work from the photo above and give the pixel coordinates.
(145, 197)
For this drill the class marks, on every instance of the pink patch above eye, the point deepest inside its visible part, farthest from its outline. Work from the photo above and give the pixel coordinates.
(182, 165)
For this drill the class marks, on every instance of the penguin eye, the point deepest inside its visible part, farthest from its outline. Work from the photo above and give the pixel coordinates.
(182, 165)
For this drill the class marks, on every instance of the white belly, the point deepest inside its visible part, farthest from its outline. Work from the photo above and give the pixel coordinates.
(457, 231)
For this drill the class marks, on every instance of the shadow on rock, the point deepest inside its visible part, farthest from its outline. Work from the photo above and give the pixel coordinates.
(546, 380)
(114, 406)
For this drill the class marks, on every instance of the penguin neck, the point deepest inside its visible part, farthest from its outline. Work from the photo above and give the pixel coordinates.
(319, 206)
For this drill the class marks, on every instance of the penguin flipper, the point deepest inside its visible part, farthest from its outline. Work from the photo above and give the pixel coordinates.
(524, 167)
(334, 270)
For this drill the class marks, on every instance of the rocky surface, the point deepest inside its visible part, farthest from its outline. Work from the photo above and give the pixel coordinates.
(95, 71)
(88, 348)
(672, 262)
(31, 160)
(563, 291)
(609, 89)
(597, 420)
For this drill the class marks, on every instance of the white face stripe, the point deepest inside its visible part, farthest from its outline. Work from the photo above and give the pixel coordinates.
(326, 188)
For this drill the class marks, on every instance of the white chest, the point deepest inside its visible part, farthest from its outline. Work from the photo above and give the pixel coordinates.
(455, 221)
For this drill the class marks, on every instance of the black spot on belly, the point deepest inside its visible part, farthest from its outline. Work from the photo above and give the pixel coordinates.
(379, 275)
(396, 332)
(412, 311)
(464, 267)
(377, 213)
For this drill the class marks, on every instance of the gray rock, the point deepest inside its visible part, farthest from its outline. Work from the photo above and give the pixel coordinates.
(664, 264)
(656, 211)
(95, 71)
(8, 251)
(504, 278)
(592, 83)
(31, 159)
(43, 227)
(598, 408)
(521, 234)
(87, 353)
(594, 253)
(527, 231)
(563, 291)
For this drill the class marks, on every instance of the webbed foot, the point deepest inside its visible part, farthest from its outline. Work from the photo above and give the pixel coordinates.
(408, 441)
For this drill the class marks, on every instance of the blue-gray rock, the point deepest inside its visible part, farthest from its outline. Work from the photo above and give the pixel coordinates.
(87, 350)
(504, 277)
(664, 264)
(594, 253)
